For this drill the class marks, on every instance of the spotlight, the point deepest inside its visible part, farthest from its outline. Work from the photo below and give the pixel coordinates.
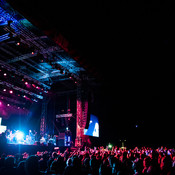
(18, 43)
(19, 135)
(34, 85)
(11, 92)
(26, 83)
(109, 146)
(5, 74)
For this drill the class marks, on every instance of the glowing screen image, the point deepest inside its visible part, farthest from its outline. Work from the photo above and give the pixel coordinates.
(2, 128)
(93, 129)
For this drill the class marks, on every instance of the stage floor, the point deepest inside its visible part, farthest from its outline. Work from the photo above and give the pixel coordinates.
(31, 149)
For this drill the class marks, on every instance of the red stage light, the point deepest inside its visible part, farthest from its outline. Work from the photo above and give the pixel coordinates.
(34, 85)
(26, 83)
(11, 92)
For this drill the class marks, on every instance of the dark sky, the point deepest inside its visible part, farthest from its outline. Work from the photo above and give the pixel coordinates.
(130, 44)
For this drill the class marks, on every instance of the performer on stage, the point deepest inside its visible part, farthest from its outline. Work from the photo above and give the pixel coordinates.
(36, 136)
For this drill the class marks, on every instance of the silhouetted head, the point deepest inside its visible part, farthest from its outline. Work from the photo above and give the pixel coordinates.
(32, 166)
(9, 162)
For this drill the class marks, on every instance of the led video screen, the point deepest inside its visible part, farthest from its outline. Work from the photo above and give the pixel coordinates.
(93, 129)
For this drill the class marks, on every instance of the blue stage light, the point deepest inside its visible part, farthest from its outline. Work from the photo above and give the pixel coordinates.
(19, 135)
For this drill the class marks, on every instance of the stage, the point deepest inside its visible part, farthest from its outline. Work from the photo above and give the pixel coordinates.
(31, 149)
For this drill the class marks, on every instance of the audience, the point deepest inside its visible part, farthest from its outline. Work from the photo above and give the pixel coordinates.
(101, 161)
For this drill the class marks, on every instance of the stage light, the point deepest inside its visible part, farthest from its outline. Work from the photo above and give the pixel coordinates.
(11, 92)
(35, 100)
(34, 85)
(8, 104)
(109, 146)
(5, 74)
(4, 90)
(19, 135)
(26, 83)
(0, 103)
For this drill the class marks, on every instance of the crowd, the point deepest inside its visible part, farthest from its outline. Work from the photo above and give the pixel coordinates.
(96, 161)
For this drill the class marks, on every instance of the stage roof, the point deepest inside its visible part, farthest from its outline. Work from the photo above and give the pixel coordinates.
(122, 43)
(33, 62)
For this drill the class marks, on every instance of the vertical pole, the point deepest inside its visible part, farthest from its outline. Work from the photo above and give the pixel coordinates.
(79, 116)
(43, 117)
(82, 111)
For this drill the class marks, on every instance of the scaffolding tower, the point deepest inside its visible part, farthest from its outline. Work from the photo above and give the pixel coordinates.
(82, 111)
(43, 116)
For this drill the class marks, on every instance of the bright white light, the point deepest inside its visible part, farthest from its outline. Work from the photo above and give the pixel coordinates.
(19, 135)
(2, 128)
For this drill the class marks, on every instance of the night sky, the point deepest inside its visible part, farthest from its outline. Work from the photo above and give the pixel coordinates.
(130, 45)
